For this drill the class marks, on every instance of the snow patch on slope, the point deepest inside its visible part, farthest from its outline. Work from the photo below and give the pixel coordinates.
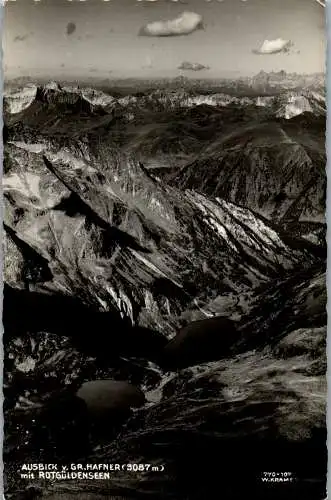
(27, 183)
(31, 148)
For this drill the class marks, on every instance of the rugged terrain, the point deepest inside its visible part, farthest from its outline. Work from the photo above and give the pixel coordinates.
(127, 218)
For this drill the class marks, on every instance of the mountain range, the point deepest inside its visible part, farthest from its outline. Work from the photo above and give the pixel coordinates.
(140, 214)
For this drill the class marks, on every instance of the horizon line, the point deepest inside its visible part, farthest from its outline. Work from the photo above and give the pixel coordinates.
(158, 78)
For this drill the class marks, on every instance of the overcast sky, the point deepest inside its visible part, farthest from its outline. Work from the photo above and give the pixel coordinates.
(106, 41)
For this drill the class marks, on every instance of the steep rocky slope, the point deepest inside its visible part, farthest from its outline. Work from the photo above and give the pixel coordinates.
(137, 243)
(272, 168)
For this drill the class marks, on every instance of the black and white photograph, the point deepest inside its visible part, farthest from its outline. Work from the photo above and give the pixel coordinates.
(164, 246)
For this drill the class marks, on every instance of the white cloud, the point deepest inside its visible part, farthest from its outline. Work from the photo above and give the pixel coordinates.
(189, 66)
(185, 24)
(274, 46)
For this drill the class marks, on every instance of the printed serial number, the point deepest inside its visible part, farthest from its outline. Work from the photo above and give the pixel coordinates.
(277, 477)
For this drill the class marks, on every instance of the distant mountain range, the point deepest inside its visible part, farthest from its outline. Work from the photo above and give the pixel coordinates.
(287, 103)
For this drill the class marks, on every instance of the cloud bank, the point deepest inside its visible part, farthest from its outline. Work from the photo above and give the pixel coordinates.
(185, 24)
(274, 46)
(189, 66)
